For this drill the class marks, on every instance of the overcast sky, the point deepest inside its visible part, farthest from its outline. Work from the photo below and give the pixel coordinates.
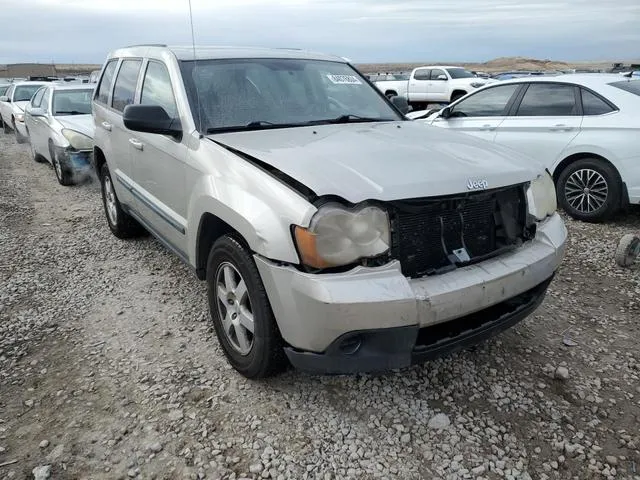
(83, 31)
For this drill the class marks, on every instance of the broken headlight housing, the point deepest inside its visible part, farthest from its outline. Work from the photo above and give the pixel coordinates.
(339, 236)
(77, 140)
(541, 197)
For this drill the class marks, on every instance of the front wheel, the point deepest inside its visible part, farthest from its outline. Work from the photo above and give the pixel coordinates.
(589, 190)
(5, 127)
(121, 224)
(241, 313)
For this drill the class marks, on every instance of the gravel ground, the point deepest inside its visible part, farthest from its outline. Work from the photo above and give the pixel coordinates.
(109, 368)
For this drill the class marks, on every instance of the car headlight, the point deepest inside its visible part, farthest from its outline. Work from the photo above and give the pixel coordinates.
(77, 140)
(339, 236)
(19, 117)
(541, 197)
(477, 84)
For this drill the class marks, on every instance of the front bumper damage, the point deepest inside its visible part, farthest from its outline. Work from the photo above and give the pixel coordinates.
(373, 319)
(76, 161)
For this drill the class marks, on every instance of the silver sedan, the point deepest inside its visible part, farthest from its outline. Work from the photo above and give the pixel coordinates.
(60, 129)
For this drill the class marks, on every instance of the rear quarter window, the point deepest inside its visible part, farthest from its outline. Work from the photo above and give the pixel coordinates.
(593, 104)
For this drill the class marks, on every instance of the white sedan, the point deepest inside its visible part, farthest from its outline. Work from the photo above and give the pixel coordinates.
(60, 128)
(583, 128)
(12, 105)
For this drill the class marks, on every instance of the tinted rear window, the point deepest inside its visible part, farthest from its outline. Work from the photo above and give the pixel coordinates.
(631, 86)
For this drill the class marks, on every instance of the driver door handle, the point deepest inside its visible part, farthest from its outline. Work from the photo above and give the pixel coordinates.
(107, 126)
(137, 144)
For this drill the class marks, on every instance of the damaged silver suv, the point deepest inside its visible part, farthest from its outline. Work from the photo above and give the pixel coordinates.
(331, 232)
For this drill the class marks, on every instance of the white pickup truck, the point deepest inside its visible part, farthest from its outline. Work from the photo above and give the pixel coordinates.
(432, 84)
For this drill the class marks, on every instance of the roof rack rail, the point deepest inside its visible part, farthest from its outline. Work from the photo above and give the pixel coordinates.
(147, 45)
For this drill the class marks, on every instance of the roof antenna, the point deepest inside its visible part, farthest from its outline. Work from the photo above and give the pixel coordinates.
(195, 60)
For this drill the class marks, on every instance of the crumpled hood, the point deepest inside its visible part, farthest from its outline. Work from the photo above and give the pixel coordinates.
(80, 123)
(383, 161)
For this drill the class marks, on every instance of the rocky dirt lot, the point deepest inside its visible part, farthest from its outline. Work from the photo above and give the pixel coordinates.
(109, 369)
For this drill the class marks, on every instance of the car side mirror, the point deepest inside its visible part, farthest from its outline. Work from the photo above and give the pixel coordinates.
(4, 98)
(151, 119)
(441, 77)
(446, 112)
(401, 104)
(36, 112)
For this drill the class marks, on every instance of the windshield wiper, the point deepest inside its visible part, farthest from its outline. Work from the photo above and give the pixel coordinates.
(254, 125)
(351, 118)
(69, 112)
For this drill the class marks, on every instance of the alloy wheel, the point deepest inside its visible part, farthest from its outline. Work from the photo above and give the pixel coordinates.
(234, 308)
(110, 201)
(586, 190)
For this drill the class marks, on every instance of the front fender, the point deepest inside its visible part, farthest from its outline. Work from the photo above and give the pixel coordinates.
(255, 204)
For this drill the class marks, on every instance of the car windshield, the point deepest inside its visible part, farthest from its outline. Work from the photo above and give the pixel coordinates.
(459, 73)
(250, 94)
(72, 102)
(631, 86)
(24, 93)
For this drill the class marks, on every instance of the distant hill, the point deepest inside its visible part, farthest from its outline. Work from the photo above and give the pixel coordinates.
(495, 65)
(21, 70)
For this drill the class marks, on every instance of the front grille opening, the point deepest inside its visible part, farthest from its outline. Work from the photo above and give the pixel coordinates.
(438, 234)
(434, 334)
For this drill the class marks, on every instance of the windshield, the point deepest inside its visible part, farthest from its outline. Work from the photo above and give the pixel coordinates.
(459, 73)
(250, 94)
(631, 86)
(72, 102)
(24, 93)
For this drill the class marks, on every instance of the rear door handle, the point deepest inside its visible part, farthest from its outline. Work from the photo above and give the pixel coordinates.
(561, 128)
(107, 126)
(137, 144)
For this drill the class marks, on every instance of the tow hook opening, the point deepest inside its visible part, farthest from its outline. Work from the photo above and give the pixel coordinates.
(351, 344)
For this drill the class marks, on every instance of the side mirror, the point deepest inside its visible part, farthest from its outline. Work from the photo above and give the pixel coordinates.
(401, 104)
(151, 119)
(36, 112)
(441, 77)
(446, 112)
(4, 98)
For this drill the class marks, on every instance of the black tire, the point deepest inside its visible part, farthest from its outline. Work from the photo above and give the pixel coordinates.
(628, 250)
(266, 355)
(63, 172)
(6, 128)
(122, 225)
(584, 208)
(19, 137)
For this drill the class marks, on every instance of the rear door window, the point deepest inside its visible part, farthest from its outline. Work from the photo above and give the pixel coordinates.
(106, 82)
(548, 100)
(592, 104)
(422, 74)
(124, 89)
(491, 102)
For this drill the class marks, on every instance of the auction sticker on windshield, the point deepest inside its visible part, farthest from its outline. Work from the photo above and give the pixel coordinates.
(344, 79)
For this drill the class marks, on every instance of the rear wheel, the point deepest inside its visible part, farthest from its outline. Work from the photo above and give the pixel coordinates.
(241, 313)
(121, 224)
(589, 189)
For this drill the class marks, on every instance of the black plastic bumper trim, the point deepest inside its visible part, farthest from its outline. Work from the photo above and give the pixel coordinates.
(391, 348)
